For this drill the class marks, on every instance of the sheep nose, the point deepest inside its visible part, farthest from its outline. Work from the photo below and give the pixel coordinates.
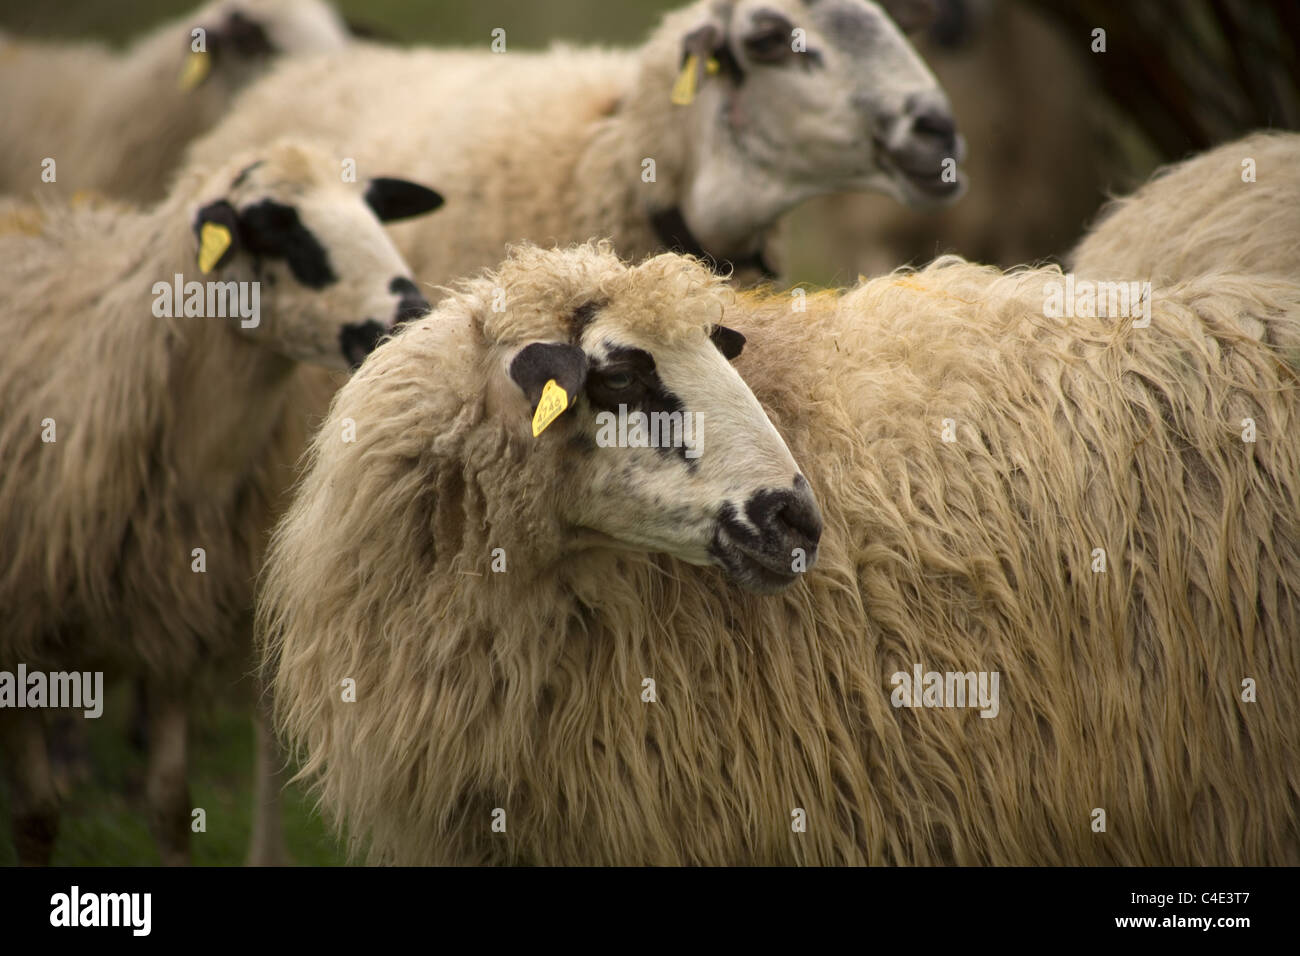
(932, 119)
(790, 516)
(934, 122)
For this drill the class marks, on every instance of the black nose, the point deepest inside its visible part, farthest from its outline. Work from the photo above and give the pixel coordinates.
(934, 122)
(788, 518)
(932, 118)
(411, 305)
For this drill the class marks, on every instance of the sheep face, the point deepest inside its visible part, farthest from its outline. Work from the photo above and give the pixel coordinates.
(797, 98)
(663, 446)
(328, 281)
(241, 38)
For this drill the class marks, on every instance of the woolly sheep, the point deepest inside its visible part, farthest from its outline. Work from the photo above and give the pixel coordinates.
(118, 122)
(1235, 208)
(591, 700)
(572, 144)
(135, 433)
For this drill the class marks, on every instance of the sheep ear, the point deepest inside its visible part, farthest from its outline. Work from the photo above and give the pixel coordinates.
(398, 199)
(912, 16)
(729, 341)
(550, 374)
(217, 229)
(701, 50)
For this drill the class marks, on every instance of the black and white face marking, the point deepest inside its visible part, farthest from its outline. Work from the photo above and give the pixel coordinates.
(358, 339)
(273, 230)
(810, 98)
(410, 303)
(770, 42)
(732, 497)
(330, 283)
(624, 379)
(241, 36)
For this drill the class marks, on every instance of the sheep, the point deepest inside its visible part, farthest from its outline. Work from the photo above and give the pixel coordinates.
(118, 122)
(991, 57)
(543, 671)
(1235, 208)
(149, 426)
(571, 144)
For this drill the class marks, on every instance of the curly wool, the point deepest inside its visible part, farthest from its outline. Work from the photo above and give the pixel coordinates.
(1120, 690)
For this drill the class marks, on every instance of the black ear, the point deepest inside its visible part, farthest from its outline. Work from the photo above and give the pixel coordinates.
(729, 341)
(538, 363)
(398, 199)
(708, 43)
(703, 41)
(220, 243)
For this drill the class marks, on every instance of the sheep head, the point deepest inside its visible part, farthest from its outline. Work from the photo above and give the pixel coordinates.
(787, 99)
(240, 38)
(608, 417)
(328, 281)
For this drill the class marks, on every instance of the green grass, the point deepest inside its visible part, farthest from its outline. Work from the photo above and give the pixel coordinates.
(103, 822)
(528, 23)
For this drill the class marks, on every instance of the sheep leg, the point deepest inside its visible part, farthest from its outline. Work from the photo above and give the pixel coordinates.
(35, 810)
(166, 787)
(266, 848)
(69, 752)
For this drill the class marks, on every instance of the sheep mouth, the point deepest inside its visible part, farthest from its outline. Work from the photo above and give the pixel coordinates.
(923, 178)
(932, 185)
(752, 569)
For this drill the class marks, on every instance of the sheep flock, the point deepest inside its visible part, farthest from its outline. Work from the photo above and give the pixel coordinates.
(456, 398)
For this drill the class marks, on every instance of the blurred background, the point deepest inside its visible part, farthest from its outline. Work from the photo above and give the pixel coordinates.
(1052, 129)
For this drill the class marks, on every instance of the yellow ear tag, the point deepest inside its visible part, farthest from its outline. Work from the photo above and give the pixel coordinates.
(214, 240)
(554, 401)
(195, 71)
(684, 88)
(712, 66)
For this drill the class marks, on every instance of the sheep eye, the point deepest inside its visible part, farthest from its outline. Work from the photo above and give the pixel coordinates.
(616, 381)
(768, 46)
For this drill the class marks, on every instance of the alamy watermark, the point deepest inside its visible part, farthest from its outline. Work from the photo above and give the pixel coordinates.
(947, 689)
(76, 689)
(651, 430)
(218, 300)
(75, 908)
(1086, 299)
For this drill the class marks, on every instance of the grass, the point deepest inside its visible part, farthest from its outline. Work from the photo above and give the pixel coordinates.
(103, 822)
(528, 23)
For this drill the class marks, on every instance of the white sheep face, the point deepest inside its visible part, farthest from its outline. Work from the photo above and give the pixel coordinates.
(667, 450)
(311, 253)
(810, 97)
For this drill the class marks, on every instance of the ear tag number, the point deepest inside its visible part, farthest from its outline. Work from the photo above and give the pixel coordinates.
(194, 72)
(214, 240)
(554, 401)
